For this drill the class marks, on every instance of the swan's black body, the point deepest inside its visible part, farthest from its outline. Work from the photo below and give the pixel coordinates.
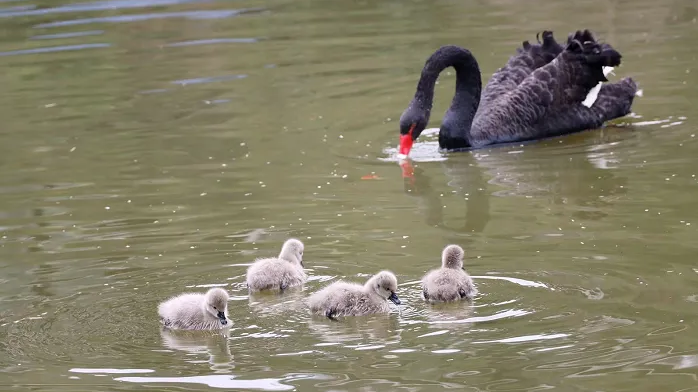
(537, 94)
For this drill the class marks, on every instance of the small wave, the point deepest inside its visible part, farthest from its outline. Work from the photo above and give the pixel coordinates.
(17, 8)
(480, 319)
(522, 282)
(215, 381)
(110, 371)
(403, 350)
(446, 351)
(367, 347)
(69, 35)
(213, 41)
(184, 82)
(664, 123)
(526, 338)
(153, 91)
(53, 49)
(437, 333)
(219, 14)
(93, 6)
(294, 353)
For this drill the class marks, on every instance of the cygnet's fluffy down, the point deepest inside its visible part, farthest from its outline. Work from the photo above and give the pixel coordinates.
(196, 311)
(351, 299)
(278, 273)
(450, 282)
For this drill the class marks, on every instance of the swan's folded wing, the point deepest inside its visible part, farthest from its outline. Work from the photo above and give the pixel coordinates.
(527, 59)
(614, 101)
(545, 106)
(548, 102)
(514, 115)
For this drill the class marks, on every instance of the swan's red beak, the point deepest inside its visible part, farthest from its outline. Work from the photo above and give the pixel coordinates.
(406, 142)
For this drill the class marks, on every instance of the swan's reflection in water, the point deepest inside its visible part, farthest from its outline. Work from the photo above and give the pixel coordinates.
(199, 344)
(576, 170)
(468, 182)
(361, 332)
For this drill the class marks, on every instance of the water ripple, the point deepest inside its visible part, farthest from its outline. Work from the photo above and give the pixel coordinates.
(480, 319)
(54, 49)
(217, 14)
(15, 9)
(215, 381)
(69, 35)
(108, 5)
(110, 371)
(522, 282)
(212, 79)
(527, 338)
(213, 41)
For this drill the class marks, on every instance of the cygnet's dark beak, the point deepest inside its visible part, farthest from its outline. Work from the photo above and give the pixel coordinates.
(393, 297)
(221, 316)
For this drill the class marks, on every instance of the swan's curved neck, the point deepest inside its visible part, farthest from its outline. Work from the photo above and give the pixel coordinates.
(459, 116)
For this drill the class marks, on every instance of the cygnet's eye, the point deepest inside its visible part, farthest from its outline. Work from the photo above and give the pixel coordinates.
(214, 308)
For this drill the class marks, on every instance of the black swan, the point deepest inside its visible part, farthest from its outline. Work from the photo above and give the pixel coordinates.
(537, 94)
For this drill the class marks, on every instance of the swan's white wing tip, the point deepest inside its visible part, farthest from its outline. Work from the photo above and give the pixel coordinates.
(401, 156)
(594, 92)
(639, 93)
(592, 96)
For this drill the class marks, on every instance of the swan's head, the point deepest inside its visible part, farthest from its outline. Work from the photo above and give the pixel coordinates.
(412, 122)
(452, 257)
(384, 284)
(292, 251)
(468, 85)
(216, 304)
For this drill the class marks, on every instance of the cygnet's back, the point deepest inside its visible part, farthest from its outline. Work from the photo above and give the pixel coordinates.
(196, 311)
(278, 273)
(351, 299)
(450, 282)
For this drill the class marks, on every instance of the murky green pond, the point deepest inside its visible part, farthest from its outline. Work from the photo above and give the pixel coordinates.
(150, 147)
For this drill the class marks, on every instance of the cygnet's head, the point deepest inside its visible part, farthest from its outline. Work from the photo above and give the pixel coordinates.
(216, 304)
(452, 257)
(292, 251)
(385, 284)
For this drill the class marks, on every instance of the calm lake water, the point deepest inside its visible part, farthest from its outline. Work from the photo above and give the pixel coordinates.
(154, 147)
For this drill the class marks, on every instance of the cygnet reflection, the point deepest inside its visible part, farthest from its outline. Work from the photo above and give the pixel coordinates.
(449, 315)
(272, 303)
(200, 344)
(378, 329)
